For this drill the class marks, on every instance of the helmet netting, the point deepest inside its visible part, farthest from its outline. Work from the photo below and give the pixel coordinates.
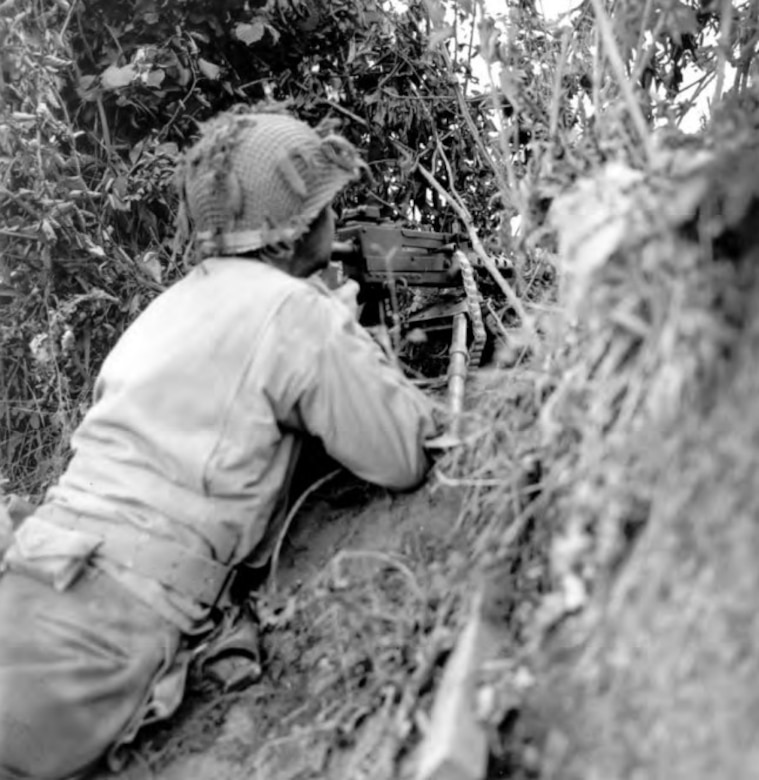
(259, 179)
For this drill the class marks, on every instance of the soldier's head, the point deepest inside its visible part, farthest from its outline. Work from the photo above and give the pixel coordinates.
(261, 184)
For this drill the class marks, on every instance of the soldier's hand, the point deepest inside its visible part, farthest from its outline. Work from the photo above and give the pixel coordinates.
(348, 294)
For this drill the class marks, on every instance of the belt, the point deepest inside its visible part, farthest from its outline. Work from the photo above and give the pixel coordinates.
(197, 577)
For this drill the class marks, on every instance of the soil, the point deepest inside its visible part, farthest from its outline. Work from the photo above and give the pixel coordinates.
(659, 679)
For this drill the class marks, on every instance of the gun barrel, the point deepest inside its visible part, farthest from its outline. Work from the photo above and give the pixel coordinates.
(457, 370)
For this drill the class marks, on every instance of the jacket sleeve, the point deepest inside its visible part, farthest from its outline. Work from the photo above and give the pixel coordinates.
(369, 417)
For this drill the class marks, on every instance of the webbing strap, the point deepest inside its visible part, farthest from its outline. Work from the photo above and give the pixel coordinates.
(199, 578)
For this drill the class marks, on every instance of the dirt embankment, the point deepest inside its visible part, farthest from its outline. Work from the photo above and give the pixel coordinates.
(665, 686)
(652, 673)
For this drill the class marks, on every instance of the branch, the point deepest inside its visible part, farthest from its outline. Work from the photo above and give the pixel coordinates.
(479, 249)
(615, 60)
(504, 140)
(476, 136)
(643, 57)
(726, 18)
(350, 114)
(566, 42)
(507, 185)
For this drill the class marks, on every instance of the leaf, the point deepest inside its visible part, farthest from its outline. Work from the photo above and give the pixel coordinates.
(250, 33)
(48, 230)
(120, 186)
(154, 78)
(87, 89)
(275, 36)
(55, 62)
(436, 11)
(93, 248)
(136, 151)
(168, 148)
(86, 82)
(116, 202)
(208, 69)
(6, 146)
(152, 266)
(681, 20)
(114, 77)
(184, 75)
(440, 35)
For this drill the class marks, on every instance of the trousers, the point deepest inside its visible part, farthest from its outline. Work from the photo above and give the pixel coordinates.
(77, 672)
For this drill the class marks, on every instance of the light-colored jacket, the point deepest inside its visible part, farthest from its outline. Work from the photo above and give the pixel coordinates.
(199, 409)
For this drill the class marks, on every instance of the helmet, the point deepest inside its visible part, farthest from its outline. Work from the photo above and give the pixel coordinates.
(256, 180)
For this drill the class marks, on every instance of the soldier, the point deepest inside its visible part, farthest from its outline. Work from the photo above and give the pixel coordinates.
(181, 467)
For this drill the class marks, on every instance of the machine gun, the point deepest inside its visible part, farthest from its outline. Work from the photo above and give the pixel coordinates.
(376, 252)
(439, 269)
(387, 259)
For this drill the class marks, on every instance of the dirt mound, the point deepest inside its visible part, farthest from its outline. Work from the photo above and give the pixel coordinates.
(364, 601)
(642, 651)
(664, 684)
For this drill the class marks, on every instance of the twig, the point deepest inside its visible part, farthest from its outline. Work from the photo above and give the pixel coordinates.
(725, 23)
(22, 236)
(566, 39)
(392, 206)
(698, 87)
(349, 114)
(597, 75)
(472, 25)
(288, 521)
(385, 558)
(744, 59)
(277, 742)
(465, 111)
(640, 59)
(504, 140)
(67, 20)
(106, 135)
(476, 135)
(479, 249)
(468, 482)
(615, 60)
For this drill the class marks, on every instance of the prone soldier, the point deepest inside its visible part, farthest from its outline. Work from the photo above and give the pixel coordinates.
(181, 467)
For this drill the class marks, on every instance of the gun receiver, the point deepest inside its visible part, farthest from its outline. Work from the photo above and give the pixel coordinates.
(381, 255)
(377, 253)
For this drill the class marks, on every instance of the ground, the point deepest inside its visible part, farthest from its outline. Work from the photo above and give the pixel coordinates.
(660, 682)
(331, 661)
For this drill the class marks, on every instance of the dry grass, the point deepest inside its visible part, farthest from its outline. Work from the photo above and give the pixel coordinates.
(655, 279)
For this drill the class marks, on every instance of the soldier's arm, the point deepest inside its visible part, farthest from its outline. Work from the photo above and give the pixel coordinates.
(369, 417)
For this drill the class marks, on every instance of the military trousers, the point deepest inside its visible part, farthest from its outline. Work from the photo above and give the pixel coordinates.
(78, 670)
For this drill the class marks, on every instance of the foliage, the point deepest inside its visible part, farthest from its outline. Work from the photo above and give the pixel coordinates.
(164, 68)
(97, 98)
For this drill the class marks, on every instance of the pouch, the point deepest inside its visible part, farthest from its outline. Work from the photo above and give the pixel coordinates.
(49, 552)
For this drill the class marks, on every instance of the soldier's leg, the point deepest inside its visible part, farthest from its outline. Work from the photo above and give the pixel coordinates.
(75, 668)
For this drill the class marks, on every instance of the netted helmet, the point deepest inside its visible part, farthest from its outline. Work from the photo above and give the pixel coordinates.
(256, 180)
